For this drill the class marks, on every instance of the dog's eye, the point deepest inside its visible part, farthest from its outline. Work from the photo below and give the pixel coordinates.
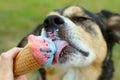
(80, 19)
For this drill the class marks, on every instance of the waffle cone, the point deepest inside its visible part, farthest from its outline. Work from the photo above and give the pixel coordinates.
(25, 62)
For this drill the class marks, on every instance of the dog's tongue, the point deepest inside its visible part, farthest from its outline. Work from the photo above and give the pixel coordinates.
(60, 44)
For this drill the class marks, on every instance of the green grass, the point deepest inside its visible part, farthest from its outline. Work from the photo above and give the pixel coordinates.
(19, 17)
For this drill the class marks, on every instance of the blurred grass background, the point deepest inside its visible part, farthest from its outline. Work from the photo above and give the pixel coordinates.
(19, 17)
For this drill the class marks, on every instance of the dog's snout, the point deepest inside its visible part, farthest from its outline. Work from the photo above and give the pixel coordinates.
(53, 20)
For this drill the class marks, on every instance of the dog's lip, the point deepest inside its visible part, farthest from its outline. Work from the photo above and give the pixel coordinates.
(67, 50)
(83, 52)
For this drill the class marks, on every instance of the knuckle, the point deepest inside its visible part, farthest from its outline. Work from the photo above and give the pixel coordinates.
(15, 48)
(4, 56)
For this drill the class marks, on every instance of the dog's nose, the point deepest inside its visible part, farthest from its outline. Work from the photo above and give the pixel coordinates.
(53, 21)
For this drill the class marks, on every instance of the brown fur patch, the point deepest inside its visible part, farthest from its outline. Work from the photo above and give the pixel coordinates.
(53, 13)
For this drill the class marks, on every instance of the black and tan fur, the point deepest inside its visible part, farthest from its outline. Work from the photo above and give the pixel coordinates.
(91, 37)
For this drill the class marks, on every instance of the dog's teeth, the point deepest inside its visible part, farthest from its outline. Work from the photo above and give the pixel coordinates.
(61, 54)
(43, 32)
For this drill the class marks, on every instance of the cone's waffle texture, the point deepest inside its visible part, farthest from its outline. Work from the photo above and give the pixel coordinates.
(25, 62)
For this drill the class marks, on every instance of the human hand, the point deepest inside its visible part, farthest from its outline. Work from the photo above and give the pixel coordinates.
(6, 65)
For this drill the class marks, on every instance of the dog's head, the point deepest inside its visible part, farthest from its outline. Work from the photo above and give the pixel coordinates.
(88, 34)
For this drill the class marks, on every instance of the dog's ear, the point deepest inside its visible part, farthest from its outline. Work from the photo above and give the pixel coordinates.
(36, 31)
(112, 21)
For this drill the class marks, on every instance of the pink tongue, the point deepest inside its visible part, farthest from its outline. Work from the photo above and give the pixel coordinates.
(60, 44)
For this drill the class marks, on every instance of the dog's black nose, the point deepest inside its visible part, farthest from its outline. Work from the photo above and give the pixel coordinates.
(53, 21)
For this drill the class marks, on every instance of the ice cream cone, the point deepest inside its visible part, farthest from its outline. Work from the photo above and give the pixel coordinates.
(25, 62)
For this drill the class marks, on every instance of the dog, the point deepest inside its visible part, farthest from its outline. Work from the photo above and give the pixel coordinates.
(91, 37)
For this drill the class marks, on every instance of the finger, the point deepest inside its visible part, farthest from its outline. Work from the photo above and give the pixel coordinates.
(6, 59)
(12, 52)
(21, 78)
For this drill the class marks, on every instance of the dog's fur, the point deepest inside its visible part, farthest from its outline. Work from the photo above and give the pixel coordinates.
(91, 37)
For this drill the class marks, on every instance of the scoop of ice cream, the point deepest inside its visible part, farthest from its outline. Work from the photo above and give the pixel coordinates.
(45, 50)
(42, 48)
